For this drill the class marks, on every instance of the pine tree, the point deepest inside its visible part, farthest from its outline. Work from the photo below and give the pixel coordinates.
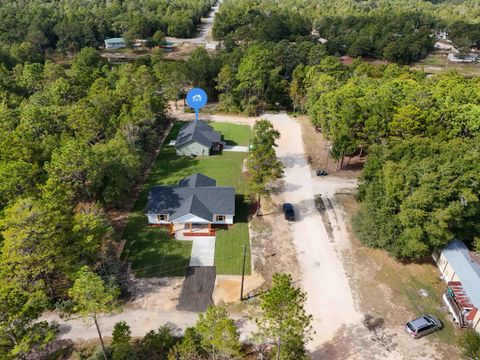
(92, 297)
(284, 322)
(218, 335)
(263, 165)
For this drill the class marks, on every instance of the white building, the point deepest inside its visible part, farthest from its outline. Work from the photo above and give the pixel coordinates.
(467, 58)
(115, 43)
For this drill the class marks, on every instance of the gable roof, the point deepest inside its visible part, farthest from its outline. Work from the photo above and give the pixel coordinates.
(467, 269)
(191, 197)
(197, 131)
(197, 180)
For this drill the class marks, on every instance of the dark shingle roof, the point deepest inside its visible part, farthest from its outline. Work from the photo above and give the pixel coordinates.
(202, 201)
(197, 180)
(197, 131)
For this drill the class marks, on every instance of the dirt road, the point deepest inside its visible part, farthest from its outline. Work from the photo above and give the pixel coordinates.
(204, 33)
(330, 299)
(140, 321)
(341, 329)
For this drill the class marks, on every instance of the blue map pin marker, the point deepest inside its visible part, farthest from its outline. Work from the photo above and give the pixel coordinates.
(196, 99)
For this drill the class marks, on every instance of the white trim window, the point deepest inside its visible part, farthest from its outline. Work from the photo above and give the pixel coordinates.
(220, 218)
(162, 217)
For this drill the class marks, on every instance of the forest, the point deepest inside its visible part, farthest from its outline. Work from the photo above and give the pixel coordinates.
(29, 29)
(399, 31)
(420, 187)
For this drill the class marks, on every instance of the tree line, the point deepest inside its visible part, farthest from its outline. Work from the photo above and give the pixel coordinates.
(420, 187)
(73, 142)
(399, 31)
(29, 30)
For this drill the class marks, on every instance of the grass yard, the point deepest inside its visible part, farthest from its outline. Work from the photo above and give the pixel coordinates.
(151, 251)
(229, 242)
(233, 134)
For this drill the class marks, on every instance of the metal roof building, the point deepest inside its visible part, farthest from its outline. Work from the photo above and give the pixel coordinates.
(467, 269)
(115, 43)
(460, 269)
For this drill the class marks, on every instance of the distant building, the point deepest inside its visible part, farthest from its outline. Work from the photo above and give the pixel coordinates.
(139, 43)
(460, 269)
(441, 45)
(197, 139)
(213, 45)
(316, 34)
(442, 36)
(115, 43)
(467, 58)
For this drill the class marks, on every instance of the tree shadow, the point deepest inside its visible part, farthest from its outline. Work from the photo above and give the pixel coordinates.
(363, 340)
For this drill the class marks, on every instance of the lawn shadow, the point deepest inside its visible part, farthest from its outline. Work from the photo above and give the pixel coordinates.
(229, 142)
(242, 208)
(151, 251)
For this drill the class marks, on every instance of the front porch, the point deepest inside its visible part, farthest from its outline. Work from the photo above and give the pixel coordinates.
(187, 231)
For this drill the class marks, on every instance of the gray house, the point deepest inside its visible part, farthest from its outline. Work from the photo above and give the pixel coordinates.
(197, 139)
(196, 200)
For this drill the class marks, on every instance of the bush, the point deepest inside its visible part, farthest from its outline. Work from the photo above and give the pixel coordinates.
(470, 343)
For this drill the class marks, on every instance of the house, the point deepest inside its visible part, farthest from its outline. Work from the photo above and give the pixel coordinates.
(465, 58)
(460, 269)
(115, 43)
(442, 36)
(139, 43)
(195, 201)
(197, 139)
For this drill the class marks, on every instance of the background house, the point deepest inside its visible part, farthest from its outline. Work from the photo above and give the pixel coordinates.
(460, 269)
(195, 201)
(115, 43)
(197, 139)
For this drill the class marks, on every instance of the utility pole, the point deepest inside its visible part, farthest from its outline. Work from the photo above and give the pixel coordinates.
(327, 147)
(243, 271)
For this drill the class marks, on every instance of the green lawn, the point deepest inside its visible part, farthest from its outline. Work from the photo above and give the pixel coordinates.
(150, 250)
(233, 134)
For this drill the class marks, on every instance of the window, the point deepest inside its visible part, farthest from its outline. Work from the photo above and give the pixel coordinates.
(220, 218)
(162, 217)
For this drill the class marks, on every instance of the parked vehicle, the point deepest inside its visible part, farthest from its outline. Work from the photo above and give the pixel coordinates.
(322, 173)
(424, 325)
(289, 212)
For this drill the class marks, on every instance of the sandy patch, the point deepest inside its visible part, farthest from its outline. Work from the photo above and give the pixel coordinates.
(227, 288)
(155, 293)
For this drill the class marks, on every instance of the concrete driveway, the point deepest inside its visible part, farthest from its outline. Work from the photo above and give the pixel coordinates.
(203, 251)
(235, 148)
